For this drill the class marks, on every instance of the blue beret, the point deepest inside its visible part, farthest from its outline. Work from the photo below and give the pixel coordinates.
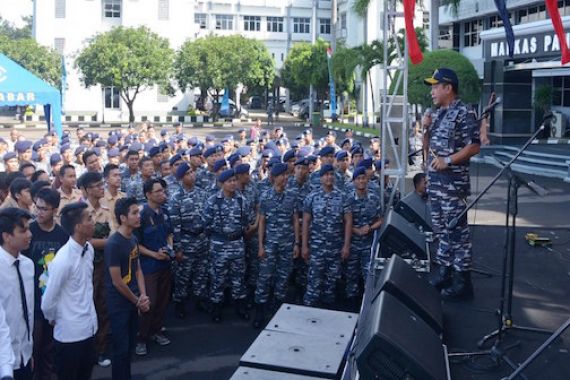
(281, 142)
(232, 159)
(182, 169)
(40, 144)
(193, 141)
(366, 163)
(379, 164)
(136, 146)
(219, 164)
(209, 152)
(210, 138)
(358, 171)
(302, 161)
(163, 146)
(244, 151)
(179, 137)
(241, 130)
(54, 159)
(9, 156)
(311, 159)
(97, 151)
(123, 147)
(226, 174)
(80, 149)
(242, 169)
(65, 140)
(113, 152)
(163, 132)
(267, 153)
(331, 133)
(294, 144)
(64, 147)
(148, 146)
(274, 160)
(308, 132)
(195, 152)
(278, 168)
(325, 169)
(345, 141)
(341, 155)
(288, 155)
(183, 152)
(326, 150)
(22, 145)
(357, 149)
(174, 159)
(101, 144)
(112, 140)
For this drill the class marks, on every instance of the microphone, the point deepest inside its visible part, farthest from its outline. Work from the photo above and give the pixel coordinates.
(490, 107)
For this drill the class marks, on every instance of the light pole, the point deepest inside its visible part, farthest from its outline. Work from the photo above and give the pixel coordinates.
(313, 40)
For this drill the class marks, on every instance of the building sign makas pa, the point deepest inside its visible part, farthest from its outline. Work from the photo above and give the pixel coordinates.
(17, 96)
(531, 46)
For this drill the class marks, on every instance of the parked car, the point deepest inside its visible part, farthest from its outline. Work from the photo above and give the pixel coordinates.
(233, 112)
(255, 102)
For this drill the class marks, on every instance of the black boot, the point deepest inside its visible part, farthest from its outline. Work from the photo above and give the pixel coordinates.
(203, 305)
(259, 315)
(441, 278)
(217, 312)
(241, 309)
(180, 310)
(461, 289)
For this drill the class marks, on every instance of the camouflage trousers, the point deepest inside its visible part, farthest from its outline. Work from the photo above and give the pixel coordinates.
(191, 273)
(324, 271)
(227, 267)
(455, 247)
(274, 271)
(355, 269)
(251, 261)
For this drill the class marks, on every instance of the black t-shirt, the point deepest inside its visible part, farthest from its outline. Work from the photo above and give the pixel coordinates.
(43, 249)
(124, 253)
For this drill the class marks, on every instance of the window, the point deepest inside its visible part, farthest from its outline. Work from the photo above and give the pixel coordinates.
(324, 26)
(112, 98)
(301, 25)
(163, 9)
(59, 45)
(252, 23)
(275, 24)
(343, 20)
(201, 19)
(282, 56)
(224, 22)
(425, 20)
(471, 33)
(59, 8)
(112, 8)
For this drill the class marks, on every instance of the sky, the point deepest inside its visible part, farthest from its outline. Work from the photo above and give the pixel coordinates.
(13, 10)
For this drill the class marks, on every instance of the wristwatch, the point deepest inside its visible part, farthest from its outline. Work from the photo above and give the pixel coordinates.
(448, 160)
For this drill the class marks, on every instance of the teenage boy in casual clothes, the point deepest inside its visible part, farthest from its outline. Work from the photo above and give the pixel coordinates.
(47, 238)
(154, 236)
(124, 286)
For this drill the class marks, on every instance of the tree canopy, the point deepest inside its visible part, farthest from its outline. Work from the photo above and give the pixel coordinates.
(129, 59)
(305, 65)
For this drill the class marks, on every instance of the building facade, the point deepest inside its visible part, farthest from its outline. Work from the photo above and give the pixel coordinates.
(477, 32)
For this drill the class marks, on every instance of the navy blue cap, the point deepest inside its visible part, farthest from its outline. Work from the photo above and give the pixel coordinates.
(55, 158)
(194, 152)
(267, 153)
(183, 152)
(182, 169)
(9, 156)
(379, 164)
(210, 138)
(358, 171)
(193, 141)
(40, 144)
(308, 131)
(174, 159)
(112, 140)
(288, 155)
(278, 168)
(241, 130)
(274, 160)
(311, 159)
(331, 133)
(226, 174)
(100, 144)
(366, 163)
(233, 158)
(341, 155)
(136, 146)
(113, 152)
(345, 141)
(242, 169)
(326, 150)
(325, 169)
(244, 151)
(163, 132)
(219, 164)
(302, 161)
(80, 149)
(22, 145)
(442, 75)
(357, 149)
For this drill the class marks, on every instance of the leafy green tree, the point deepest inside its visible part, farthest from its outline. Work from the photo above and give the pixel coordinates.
(129, 59)
(469, 82)
(11, 31)
(305, 65)
(215, 63)
(42, 61)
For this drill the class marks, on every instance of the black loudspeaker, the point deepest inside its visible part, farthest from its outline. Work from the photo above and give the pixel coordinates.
(400, 280)
(394, 343)
(399, 237)
(415, 210)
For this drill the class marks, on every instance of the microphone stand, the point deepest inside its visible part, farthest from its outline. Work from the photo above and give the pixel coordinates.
(505, 308)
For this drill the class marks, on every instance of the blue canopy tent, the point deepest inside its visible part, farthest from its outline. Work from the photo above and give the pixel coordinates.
(19, 87)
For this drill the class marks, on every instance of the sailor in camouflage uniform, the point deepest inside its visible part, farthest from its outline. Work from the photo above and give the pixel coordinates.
(207, 177)
(366, 218)
(279, 241)
(327, 229)
(227, 221)
(451, 140)
(190, 241)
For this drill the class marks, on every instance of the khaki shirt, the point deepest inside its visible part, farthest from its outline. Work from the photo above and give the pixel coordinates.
(9, 202)
(109, 202)
(75, 196)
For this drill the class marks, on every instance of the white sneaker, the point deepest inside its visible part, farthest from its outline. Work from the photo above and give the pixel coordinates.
(161, 339)
(140, 349)
(104, 361)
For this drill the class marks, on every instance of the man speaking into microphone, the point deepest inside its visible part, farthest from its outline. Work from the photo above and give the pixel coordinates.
(451, 138)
